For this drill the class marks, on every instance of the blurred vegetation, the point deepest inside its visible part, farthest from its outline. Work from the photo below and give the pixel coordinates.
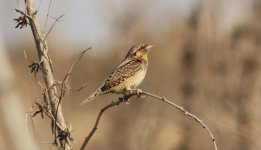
(213, 73)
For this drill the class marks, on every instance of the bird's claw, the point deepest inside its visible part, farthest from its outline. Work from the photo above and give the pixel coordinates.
(138, 92)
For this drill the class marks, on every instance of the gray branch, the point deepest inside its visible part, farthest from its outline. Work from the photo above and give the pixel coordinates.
(140, 94)
(46, 67)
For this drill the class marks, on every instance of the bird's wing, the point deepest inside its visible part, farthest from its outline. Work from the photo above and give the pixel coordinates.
(121, 73)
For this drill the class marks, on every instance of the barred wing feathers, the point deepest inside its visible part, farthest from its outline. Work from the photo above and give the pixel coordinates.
(121, 74)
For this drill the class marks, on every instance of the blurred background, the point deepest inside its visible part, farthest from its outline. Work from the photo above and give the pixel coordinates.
(206, 58)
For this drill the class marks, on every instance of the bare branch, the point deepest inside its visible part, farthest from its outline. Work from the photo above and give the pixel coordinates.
(142, 94)
(185, 113)
(47, 15)
(51, 104)
(95, 127)
(75, 63)
(46, 68)
(64, 89)
(56, 20)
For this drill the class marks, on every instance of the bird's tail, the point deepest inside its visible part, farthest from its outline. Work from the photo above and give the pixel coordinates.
(92, 96)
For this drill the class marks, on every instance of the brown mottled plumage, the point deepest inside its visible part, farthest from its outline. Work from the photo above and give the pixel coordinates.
(121, 74)
(128, 75)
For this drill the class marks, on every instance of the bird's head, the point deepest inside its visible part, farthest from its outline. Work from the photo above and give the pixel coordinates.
(139, 51)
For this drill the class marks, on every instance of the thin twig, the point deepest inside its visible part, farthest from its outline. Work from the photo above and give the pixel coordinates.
(95, 127)
(140, 94)
(185, 113)
(65, 88)
(56, 20)
(75, 63)
(47, 15)
(87, 138)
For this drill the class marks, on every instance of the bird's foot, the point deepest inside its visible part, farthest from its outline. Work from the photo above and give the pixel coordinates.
(134, 91)
(138, 93)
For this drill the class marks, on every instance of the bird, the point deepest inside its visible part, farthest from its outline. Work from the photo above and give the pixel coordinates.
(127, 75)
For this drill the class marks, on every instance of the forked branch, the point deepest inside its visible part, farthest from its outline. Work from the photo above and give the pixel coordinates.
(113, 103)
(142, 94)
(50, 95)
(65, 88)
